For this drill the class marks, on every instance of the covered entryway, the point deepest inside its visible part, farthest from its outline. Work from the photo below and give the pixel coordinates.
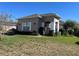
(46, 28)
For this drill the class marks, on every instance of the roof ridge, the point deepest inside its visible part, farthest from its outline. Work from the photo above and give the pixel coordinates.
(40, 15)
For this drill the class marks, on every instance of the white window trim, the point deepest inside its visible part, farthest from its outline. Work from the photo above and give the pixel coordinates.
(26, 24)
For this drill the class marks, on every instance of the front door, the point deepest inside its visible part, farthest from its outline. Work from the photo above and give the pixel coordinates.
(41, 29)
(56, 27)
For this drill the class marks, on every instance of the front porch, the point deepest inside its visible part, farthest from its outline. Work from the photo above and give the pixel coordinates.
(49, 28)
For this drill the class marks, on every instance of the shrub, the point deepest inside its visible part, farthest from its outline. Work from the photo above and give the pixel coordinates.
(76, 32)
(59, 33)
(64, 32)
(11, 32)
(35, 33)
(51, 33)
(70, 31)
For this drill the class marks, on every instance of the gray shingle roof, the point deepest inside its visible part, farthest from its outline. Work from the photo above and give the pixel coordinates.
(41, 15)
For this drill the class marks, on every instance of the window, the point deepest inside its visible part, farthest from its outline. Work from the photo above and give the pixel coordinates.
(51, 26)
(42, 25)
(26, 26)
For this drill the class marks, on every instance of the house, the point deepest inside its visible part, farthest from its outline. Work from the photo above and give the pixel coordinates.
(6, 26)
(39, 23)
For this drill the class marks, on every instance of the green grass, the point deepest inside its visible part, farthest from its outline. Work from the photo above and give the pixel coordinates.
(71, 40)
(45, 45)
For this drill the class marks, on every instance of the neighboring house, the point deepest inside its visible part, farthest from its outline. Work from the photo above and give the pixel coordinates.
(39, 23)
(6, 26)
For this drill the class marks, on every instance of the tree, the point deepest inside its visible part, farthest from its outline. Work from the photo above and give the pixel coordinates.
(4, 19)
(5, 16)
(69, 26)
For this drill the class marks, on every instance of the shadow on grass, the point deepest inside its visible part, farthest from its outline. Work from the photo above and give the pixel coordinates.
(10, 33)
(77, 42)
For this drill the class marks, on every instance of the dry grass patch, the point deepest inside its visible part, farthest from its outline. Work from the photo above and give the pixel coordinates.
(38, 46)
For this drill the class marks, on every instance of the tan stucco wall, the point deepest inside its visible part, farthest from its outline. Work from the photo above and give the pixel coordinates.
(34, 24)
(56, 20)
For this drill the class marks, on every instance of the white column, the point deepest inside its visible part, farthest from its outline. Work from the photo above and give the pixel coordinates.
(54, 26)
(58, 27)
(56, 20)
(22, 27)
(29, 25)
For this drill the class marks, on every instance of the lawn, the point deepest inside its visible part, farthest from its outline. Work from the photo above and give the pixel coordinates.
(29, 45)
